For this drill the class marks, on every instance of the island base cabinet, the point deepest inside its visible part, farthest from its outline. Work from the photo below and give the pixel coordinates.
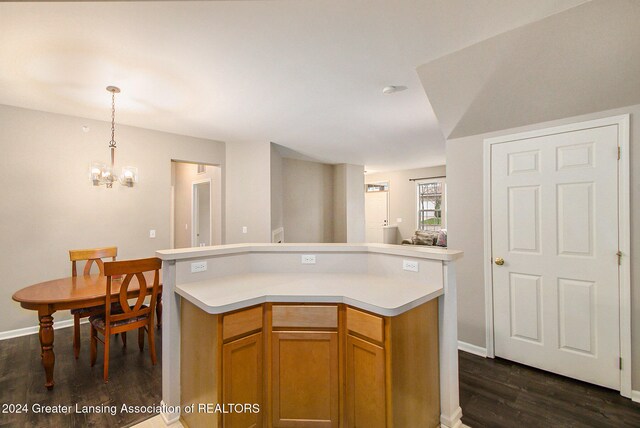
(365, 395)
(305, 384)
(242, 381)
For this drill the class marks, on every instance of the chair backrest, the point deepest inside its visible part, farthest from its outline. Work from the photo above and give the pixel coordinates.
(91, 255)
(130, 269)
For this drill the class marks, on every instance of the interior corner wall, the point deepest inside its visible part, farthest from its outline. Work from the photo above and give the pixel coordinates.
(339, 203)
(403, 197)
(184, 177)
(465, 226)
(276, 190)
(308, 201)
(248, 192)
(354, 189)
(57, 208)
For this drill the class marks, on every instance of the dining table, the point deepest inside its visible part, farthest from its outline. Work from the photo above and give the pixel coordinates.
(70, 293)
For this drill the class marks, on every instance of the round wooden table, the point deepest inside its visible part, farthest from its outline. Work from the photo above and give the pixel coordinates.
(70, 293)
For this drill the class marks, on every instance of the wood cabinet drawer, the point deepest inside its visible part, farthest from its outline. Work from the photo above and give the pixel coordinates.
(367, 325)
(305, 316)
(243, 322)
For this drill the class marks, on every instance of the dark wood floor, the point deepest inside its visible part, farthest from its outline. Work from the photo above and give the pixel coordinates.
(132, 380)
(500, 393)
(493, 393)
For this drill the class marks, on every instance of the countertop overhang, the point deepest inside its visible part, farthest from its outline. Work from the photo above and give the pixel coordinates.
(381, 295)
(418, 251)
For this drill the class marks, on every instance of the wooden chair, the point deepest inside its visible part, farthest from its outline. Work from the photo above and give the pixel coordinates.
(138, 316)
(91, 256)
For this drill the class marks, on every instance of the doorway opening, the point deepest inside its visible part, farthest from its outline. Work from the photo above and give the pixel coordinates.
(196, 204)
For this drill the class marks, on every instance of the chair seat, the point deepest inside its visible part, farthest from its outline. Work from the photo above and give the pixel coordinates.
(83, 312)
(98, 320)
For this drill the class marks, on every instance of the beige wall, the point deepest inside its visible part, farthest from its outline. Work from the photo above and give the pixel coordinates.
(49, 206)
(307, 201)
(276, 189)
(402, 196)
(248, 192)
(465, 226)
(348, 203)
(185, 175)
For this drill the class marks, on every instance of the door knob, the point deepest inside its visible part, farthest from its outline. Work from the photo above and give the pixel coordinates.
(499, 261)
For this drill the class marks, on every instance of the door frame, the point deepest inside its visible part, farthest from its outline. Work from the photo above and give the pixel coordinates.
(194, 184)
(624, 232)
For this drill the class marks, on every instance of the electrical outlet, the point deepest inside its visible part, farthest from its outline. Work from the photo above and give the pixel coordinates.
(410, 265)
(244, 229)
(152, 233)
(198, 267)
(308, 259)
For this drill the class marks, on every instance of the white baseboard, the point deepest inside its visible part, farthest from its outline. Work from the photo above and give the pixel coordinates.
(169, 418)
(635, 396)
(10, 334)
(472, 349)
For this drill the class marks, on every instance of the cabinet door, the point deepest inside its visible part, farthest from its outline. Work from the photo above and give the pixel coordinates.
(305, 381)
(242, 380)
(365, 398)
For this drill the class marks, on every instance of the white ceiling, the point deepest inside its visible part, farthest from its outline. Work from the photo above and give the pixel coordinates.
(305, 74)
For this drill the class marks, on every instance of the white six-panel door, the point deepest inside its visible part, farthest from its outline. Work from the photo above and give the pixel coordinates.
(554, 220)
(376, 215)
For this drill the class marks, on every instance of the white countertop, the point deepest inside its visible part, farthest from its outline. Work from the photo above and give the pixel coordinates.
(381, 295)
(419, 251)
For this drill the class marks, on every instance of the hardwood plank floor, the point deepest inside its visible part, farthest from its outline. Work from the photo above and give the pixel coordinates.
(500, 393)
(493, 393)
(132, 380)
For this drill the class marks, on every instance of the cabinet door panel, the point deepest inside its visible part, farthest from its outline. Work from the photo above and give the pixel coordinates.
(365, 398)
(242, 379)
(305, 379)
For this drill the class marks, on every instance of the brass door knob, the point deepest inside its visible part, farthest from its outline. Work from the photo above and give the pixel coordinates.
(499, 261)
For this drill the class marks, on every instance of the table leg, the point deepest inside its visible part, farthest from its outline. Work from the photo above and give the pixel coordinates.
(46, 345)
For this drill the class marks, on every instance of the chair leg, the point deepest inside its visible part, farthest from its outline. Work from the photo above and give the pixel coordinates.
(94, 345)
(159, 310)
(106, 358)
(152, 344)
(141, 338)
(76, 335)
(124, 339)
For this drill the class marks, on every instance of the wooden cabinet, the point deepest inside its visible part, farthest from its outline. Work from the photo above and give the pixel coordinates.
(242, 379)
(312, 365)
(365, 395)
(305, 366)
(305, 379)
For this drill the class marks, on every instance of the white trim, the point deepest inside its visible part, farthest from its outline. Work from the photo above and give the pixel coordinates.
(472, 349)
(624, 243)
(635, 396)
(624, 231)
(169, 418)
(193, 213)
(19, 332)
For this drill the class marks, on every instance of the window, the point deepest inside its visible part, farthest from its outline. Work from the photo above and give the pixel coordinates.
(381, 186)
(431, 204)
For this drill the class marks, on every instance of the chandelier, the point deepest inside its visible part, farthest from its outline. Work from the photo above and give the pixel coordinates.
(101, 173)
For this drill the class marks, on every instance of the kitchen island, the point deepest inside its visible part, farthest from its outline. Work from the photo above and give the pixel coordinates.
(310, 335)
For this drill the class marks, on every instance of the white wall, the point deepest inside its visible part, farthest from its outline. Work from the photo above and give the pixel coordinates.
(465, 226)
(49, 206)
(276, 189)
(185, 175)
(248, 192)
(307, 201)
(403, 197)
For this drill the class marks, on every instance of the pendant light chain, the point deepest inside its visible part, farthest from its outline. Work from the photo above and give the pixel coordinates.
(112, 143)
